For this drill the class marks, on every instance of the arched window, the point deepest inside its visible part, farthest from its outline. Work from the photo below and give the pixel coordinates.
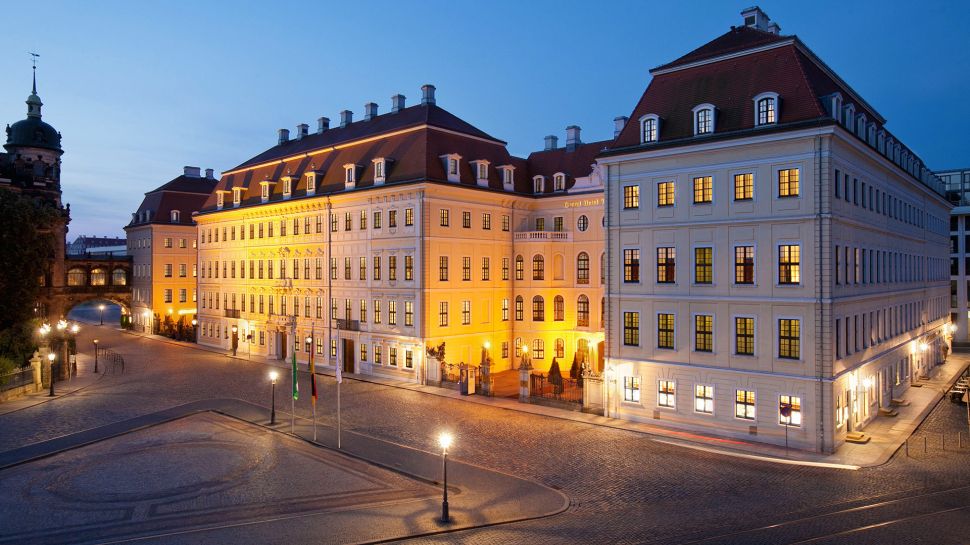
(558, 308)
(119, 277)
(538, 267)
(582, 350)
(559, 182)
(703, 119)
(538, 349)
(582, 268)
(519, 268)
(650, 128)
(765, 109)
(538, 309)
(77, 277)
(518, 346)
(582, 311)
(539, 184)
(176, 216)
(98, 277)
(560, 348)
(519, 308)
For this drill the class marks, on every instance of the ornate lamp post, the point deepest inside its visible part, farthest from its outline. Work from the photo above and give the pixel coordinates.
(444, 440)
(273, 375)
(50, 358)
(95, 356)
(101, 308)
(235, 339)
(195, 330)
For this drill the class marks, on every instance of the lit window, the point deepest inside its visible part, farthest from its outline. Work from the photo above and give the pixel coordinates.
(631, 196)
(665, 330)
(631, 265)
(582, 268)
(559, 182)
(538, 309)
(743, 186)
(704, 399)
(538, 349)
(703, 189)
(665, 194)
(538, 267)
(631, 389)
(703, 265)
(666, 265)
(704, 333)
(788, 183)
(789, 264)
(744, 264)
(744, 336)
(789, 411)
(703, 119)
(766, 109)
(649, 128)
(631, 328)
(558, 309)
(519, 308)
(789, 338)
(744, 406)
(667, 394)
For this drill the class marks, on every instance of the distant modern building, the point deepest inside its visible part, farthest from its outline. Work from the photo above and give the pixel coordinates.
(381, 237)
(795, 250)
(957, 183)
(162, 240)
(97, 245)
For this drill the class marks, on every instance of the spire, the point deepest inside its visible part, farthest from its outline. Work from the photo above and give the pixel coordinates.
(33, 101)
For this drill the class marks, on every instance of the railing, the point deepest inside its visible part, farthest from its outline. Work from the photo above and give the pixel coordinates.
(557, 388)
(539, 236)
(232, 313)
(16, 379)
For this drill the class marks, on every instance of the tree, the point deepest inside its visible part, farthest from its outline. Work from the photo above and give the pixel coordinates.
(27, 228)
(574, 371)
(555, 376)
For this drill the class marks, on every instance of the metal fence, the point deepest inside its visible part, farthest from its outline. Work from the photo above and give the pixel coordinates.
(557, 388)
(113, 361)
(17, 379)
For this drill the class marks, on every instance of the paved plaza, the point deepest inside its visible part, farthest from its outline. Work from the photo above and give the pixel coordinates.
(620, 485)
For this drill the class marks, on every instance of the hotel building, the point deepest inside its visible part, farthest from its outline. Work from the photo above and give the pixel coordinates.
(162, 242)
(957, 183)
(795, 250)
(366, 243)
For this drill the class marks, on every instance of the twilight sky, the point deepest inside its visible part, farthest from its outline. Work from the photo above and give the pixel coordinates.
(139, 89)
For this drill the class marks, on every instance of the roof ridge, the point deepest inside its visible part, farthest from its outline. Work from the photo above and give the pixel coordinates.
(808, 83)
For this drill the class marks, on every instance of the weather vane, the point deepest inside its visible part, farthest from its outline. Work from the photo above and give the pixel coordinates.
(33, 59)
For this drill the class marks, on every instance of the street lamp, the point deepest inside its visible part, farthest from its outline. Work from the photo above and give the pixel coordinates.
(273, 375)
(101, 308)
(195, 330)
(95, 356)
(235, 339)
(51, 356)
(445, 441)
(147, 323)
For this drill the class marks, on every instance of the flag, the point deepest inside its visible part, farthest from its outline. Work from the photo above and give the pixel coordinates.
(296, 385)
(313, 389)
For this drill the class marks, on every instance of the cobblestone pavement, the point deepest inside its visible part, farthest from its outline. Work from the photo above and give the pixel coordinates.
(624, 487)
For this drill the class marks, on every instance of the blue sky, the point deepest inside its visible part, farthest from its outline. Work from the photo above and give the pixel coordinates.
(139, 89)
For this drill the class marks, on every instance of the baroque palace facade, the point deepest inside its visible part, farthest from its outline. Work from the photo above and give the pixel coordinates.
(796, 251)
(368, 242)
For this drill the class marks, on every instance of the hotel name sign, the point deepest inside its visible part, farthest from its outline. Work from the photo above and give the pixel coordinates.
(583, 203)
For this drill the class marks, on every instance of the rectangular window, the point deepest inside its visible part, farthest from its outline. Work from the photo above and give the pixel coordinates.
(703, 189)
(392, 218)
(744, 336)
(363, 351)
(466, 312)
(487, 221)
(443, 313)
(744, 405)
(392, 313)
(378, 354)
(409, 267)
(392, 267)
(631, 389)
(363, 220)
(168, 270)
(505, 223)
(505, 310)
(377, 311)
(466, 269)
(704, 333)
(631, 265)
(466, 220)
(665, 330)
(408, 217)
(667, 394)
(744, 264)
(666, 265)
(409, 313)
(704, 399)
(703, 265)
(788, 182)
(363, 310)
(790, 411)
(744, 187)
(347, 268)
(377, 225)
(789, 264)
(486, 269)
(631, 328)
(631, 196)
(505, 268)
(665, 194)
(443, 268)
(362, 268)
(789, 338)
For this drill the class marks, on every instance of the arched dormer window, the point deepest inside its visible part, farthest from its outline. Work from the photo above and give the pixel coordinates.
(649, 128)
(538, 184)
(508, 177)
(765, 109)
(287, 182)
(311, 183)
(703, 119)
(176, 216)
(559, 182)
(236, 196)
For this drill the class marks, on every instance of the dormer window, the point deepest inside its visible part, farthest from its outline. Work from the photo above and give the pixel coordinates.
(311, 183)
(350, 174)
(287, 186)
(236, 196)
(508, 176)
(539, 184)
(559, 182)
(264, 190)
(703, 119)
(481, 172)
(452, 166)
(765, 109)
(176, 216)
(379, 170)
(649, 128)
(220, 198)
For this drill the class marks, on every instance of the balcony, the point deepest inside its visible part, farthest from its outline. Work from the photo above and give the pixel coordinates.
(544, 236)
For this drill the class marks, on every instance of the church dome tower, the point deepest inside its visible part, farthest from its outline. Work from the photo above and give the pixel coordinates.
(33, 132)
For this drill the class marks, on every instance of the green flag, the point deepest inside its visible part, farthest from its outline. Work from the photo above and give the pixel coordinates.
(296, 385)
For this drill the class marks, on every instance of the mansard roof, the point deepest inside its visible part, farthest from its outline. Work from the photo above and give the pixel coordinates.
(576, 163)
(186, 194)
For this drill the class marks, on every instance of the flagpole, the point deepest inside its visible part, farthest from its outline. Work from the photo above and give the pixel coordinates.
(313, 378)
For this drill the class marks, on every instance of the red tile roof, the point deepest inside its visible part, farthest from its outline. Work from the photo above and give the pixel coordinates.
(184, 193)
(574, 164)
(737, 39)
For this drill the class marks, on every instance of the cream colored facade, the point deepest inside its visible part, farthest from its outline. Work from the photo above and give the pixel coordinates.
(867, 324)
(375, 266)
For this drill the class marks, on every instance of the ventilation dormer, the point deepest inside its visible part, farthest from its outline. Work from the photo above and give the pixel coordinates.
(452, 162)
(755, 17)
(480, 167)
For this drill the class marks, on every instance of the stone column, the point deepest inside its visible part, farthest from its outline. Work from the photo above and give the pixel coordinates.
(525, 369)
(35, 366)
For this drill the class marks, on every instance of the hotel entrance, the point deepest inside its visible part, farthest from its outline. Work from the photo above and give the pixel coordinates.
(348, 356)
